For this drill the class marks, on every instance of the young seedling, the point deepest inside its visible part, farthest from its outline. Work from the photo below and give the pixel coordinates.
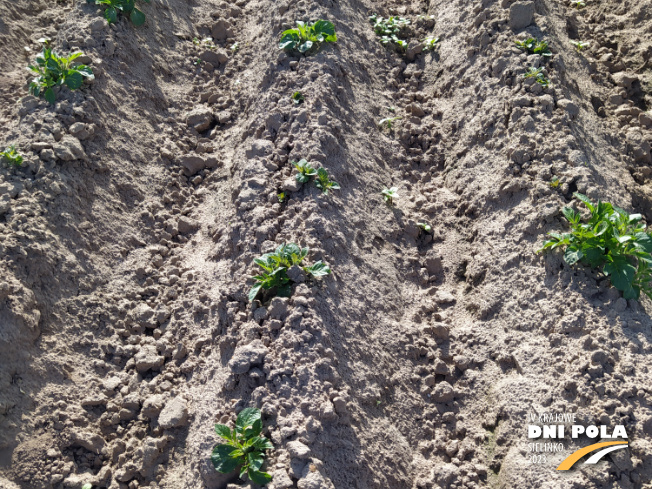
(578, 4)
(389, 195)
(125, 7)
(87, 486)
(281, 197)
(611, 240)
(388, 122)
(245, 447)
(533, 46)
(305, 169)
(297, 98)
(555, 182)
(425, 227)
(324, 183)
(430, 43)
(538, 75)
(390, 29)
(235, 47)
(54, 70)
(207, 42)
(11, 157)
(307, 38)
(274, 278)
(579, 45)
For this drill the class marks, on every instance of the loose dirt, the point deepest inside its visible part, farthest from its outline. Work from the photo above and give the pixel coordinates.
(127, 242)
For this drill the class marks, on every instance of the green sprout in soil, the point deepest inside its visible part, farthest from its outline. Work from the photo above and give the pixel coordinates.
(54, 70)
(306, 171)
(425, 227)
(324, 183)
(580, 45)
(555, 182)
(297, 98)
(235, 47)
(388, 122)
(430, 43)
(87, 486)
(11, 157)
(245, 447)
(533, 46)
(125, 7)
(274, 279)
(281, 197)
(578, 4)
(610, 240)
(307, 38)
(206, 42)
(389, 30)
(389, 195)
(538, 75)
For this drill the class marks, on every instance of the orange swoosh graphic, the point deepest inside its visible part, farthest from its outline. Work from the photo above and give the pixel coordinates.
(575, 456)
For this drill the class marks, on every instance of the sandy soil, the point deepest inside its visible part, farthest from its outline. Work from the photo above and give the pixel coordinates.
(127, 240)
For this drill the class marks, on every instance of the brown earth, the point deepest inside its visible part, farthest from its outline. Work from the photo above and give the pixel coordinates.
(127, 242)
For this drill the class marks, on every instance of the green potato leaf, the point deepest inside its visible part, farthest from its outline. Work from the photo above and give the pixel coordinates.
(74, 79)
(137, 17)
(49, 96)
(223, 459)
(224, 431)
(246, 419)
(260, 478)
(111, 15)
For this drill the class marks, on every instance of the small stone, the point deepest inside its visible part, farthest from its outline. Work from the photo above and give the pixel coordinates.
(260, 147)
(444, 297)
(462, 362)
(69, 149)
(221, 30)
(620, 305)
(147, 358)
(153, 405)
(443, 392)
(571, 108)
(278, 308)
(296, 274)
(90, 441)
(521, 15)
(174, 414)
(298, 449)
(81, 130)
(246, 356)
(187, 225)
(216, 58)
(200, 118)
(290, 184)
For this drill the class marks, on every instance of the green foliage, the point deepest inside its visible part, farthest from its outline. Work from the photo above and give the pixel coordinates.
(307, 38)
(579, 45)
(54, 70)
(425, 227)
(430, 43)
(206, 42)
(538, 75)
(87, 486)
(245, 447)
(297, 98)
(281, 197)
(555, 182)
(390, 29)
(125, 7)
(533, 46)
(324, 183)
(274, 278)
(306, 171)
(611, 240)
(388, 122)
(578, 4)
(389, 195)
(11, 157)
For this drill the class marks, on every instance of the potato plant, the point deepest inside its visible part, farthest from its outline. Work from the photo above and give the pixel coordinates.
(534, 46)
(54, 70)
(274, 279)
(11, 157)
(125, 7)
(389, 30)
(538, 75)
(298, 98)
(245, 447)
(305, 169)
(307, 38)
(580, 45)
(324, 183)
(611, 240)
(390, 195)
